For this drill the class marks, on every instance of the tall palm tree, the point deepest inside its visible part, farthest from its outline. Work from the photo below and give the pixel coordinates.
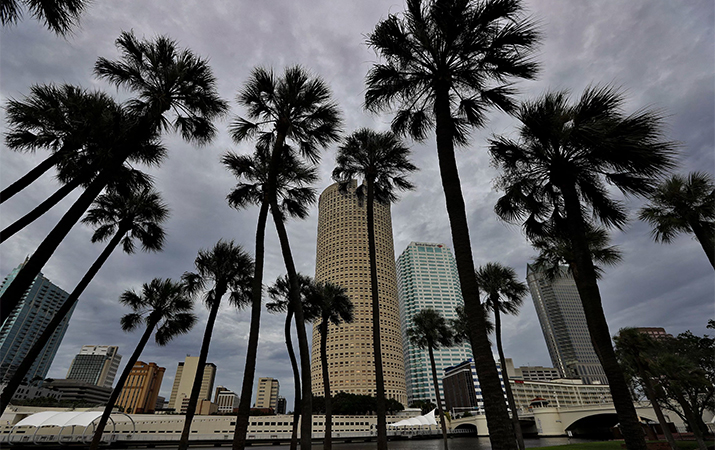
(58, 16)
(684, 205)
(429, 330)
(279, 292)
(504, 294)
(382, 161)
(292, 187)
(229, 269)
(162, 305)
(635, 350)
(445, 63)
(556, 175)
(294, 109)
(460, 325)
(124, 216)
(164, 79)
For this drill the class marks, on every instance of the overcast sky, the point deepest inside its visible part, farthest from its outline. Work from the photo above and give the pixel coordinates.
(661, 53)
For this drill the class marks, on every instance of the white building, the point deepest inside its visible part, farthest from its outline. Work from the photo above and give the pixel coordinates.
(95, 364)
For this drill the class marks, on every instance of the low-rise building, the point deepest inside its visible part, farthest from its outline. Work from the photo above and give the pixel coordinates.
(79, 391)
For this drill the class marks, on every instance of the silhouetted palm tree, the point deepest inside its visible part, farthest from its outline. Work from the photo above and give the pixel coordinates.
(279, 292)
(164, 79)
(429, 330)
(162, 305)
(505, 294)
(224, 268)
(556, 175)
(445, 64)
(684, 205)
(382, 161)
(460, 325)
(125, 217)
(297, 110)
(59, 16)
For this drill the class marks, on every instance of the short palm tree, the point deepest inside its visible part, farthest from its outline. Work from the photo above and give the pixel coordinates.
(122, 216)
(460, 325)
(164, 79)
(224, 268)
(504, 294)
(684, 205)
(58, 16)
(329, 303)
(292, 188)
(279, 292)
(162, 305)
(445, 64)
(430, 330)
(556, 175)
(293, 112)
(382, 161)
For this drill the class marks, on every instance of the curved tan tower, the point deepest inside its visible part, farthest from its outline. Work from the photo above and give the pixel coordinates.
(342, 258)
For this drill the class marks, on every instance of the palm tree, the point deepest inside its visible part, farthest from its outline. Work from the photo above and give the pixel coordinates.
(230, 269)
(125, 217)
(556, 175)
(684, 205)
(279, 292)
(162, 305)
(382, 161)
(429, 330)
(58, 16)
(164, 79)
(460, 325)
(292, 188)
(293, 109)
(634, 350)
(505, 294)
(329, 303)
(445, 64)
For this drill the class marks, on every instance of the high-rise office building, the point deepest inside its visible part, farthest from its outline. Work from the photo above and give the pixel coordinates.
(427, 278)
(26, 323)
(342, 258)
(558, 306)
(95, 364)
(184, 381)
(267, 393)
(141, 389)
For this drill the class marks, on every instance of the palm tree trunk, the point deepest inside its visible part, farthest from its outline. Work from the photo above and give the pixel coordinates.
(29, 177)
(60, 315)
(13, 294)
(306, 421)
(585, 277)
(501, 433)
(296, 379)
(199, 377)
(376, 340)
(706, 241)
(435, 382)
(39, 210)
(505, 377)
(328, 440)
(120, 384)
(650, 393)
(249, 371)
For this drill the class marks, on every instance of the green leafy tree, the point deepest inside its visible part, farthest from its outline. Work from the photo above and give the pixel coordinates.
(328, 303)
(429, 330)
(291, 113)
(381, 160)
(59, 16)
(175, 90)
(684, 205)
(162, 305)
(504, 295)
(225, 268)
(445, 64)
(121, 218)
(425, 406)
(556, 175)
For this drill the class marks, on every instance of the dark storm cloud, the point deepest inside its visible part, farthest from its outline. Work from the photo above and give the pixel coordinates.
(660, 53)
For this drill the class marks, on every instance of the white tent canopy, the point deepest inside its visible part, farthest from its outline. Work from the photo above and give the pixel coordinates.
(427, 419)
(64, 419)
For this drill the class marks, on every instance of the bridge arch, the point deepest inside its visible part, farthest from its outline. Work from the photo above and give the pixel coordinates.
(470, 427)
(596, 426)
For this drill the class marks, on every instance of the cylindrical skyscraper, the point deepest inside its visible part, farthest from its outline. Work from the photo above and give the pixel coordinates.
(342, 258)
